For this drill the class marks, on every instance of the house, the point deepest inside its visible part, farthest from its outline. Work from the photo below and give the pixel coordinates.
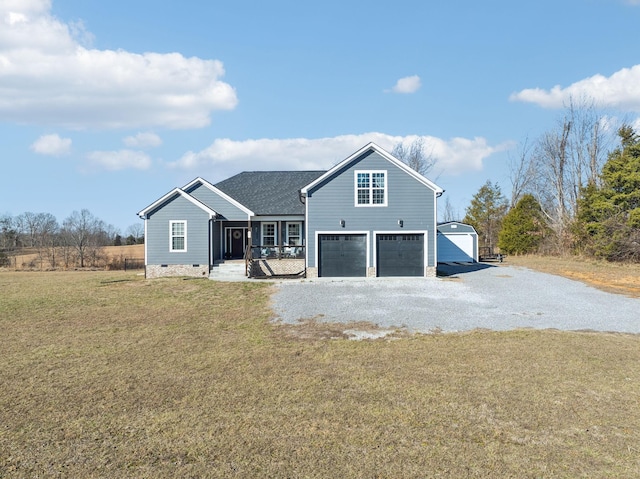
(370, 215)
(457, 243)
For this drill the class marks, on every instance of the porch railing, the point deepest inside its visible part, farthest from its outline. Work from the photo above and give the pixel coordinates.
(271, 252)
(277, 252)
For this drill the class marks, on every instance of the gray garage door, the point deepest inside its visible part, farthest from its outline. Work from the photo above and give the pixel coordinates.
(342, 255)
(400, 255)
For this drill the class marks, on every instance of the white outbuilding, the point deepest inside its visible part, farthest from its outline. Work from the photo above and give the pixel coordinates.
(457, 243)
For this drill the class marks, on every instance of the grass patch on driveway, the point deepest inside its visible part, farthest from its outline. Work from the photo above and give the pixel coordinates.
(109, 375)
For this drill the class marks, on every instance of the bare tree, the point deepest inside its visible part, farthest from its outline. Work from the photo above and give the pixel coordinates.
(135, 233)
(415, 156)
(564, 160)
(46, 235)
(27, 228)
(521, 172)
(84, 233)
(448, 213)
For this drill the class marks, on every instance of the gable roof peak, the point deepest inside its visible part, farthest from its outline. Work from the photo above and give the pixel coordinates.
(177, 192)
(386, 155)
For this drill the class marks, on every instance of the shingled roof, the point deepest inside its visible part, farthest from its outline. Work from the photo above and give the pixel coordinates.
(269, 192)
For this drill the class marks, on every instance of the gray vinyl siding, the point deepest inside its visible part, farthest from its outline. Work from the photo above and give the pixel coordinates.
(158, 241)
(218, 204)
(408, 200)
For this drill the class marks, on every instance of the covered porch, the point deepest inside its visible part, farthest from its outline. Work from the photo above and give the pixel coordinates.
(269, 247)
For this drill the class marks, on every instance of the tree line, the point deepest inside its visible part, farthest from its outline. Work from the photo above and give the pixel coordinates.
(77, 241)
(575, 190)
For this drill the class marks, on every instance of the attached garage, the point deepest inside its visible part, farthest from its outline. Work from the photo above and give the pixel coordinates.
(343, 255)
(457, 243)
(400, 254)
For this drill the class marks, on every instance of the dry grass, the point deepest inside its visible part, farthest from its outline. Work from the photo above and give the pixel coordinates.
(611, 277)
(27, 259)
(109, 375)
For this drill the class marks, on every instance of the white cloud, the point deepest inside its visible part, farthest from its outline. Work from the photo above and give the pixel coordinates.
(120, 160)
(48, 77)
(143, 140)
(225, 157)
(407, 85)
(621, 90)
(51, 145)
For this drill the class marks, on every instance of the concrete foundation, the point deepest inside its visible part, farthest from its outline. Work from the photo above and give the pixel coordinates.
(159, 271)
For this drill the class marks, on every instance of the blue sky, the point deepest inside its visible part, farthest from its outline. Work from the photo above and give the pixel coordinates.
(109, 105)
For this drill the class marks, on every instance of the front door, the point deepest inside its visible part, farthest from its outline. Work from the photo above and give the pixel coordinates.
(236, 242)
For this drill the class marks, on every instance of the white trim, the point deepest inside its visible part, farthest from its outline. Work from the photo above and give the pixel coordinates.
(146, 243)
(459, 223)
(275, 232)
(210, 241)
(220, 193)
(385, 154)
(425, 251)
(306, 236)
(435, 232)
(286, 231)
(343, 232)
(177, 191)
(227, 235)
(171, 236)
(474, 240)
(370, 204)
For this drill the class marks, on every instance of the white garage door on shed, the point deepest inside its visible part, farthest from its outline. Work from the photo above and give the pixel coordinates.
(457, 243)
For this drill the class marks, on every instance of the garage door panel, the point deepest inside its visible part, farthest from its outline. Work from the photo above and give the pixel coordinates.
(400, 254)
(455, 248)
(342, 255)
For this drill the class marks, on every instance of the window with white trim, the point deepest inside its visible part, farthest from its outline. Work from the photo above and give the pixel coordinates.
(371, 188)
(268, 234)
(294, 234)
(178, 236)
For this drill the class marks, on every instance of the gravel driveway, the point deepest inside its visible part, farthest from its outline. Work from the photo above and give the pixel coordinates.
(481, 296)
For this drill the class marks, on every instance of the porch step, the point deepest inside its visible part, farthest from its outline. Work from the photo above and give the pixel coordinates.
(230, 270)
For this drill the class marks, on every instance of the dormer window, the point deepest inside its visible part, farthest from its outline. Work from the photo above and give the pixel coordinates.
(371, 188)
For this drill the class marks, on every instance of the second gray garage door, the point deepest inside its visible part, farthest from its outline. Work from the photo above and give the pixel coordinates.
(342, 255)
(400, 255)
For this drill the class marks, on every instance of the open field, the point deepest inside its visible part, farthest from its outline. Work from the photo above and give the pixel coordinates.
(28, 259)
(108, 375)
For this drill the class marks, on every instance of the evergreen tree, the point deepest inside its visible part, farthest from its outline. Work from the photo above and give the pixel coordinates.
(523, 228)
(485, 213)
(608, 220)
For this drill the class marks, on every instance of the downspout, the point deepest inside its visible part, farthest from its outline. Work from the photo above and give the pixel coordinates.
(248, 253)
(305, 242)
(146, 242)
(212, 220)
(435, 233)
